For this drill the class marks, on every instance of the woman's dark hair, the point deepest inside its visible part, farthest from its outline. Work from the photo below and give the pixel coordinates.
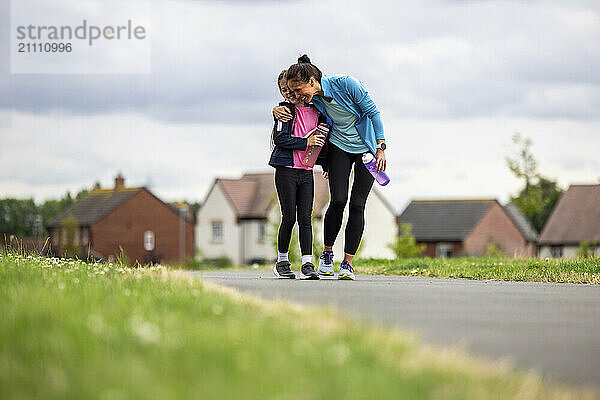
(303, 71)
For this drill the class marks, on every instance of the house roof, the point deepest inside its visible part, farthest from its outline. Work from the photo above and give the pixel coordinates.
(97, 204)
(453, 220)
(443, 220)
(524, 226)
(252, 194)
(575, 218)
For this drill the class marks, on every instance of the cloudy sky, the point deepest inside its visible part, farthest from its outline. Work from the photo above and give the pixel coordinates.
(453, 80)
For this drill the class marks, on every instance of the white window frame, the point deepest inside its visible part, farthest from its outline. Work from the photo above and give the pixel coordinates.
(443, 250)
(262, 232)
(149, 240)
(216, 231)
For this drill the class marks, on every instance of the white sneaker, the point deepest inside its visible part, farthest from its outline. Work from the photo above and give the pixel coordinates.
(326, 264)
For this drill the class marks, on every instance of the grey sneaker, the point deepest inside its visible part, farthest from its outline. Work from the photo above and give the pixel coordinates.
(308, 271)
(282, 270)
(346, 271)
(326, 264)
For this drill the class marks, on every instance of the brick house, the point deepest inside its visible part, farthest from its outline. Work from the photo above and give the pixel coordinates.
(240, 217)
(451, 228)
(133, 218)
(575, 219)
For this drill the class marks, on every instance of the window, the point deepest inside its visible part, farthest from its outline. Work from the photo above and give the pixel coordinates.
(556, 251)
(443, 250)
(261, 232)
(217, 231)
(148, 240)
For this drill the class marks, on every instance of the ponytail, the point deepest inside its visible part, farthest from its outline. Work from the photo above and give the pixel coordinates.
(303, 70)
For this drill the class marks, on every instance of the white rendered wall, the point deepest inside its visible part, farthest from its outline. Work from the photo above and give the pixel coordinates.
(218, 207)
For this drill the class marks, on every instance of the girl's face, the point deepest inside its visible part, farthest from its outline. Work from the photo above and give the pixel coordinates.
(287, 93)
(304, 90)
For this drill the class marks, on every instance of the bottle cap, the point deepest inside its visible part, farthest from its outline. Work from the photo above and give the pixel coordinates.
(367, 157)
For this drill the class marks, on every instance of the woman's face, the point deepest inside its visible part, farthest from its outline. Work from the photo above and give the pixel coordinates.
(287, 93)
(304, 90)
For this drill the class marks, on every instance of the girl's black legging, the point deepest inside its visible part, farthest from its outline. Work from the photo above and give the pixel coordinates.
(295, 188)
(339, 164)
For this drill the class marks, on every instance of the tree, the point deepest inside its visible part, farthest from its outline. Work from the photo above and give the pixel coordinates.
(539, 195)
(19, 218)
(70, 232)
(405, 245)
(23, 218)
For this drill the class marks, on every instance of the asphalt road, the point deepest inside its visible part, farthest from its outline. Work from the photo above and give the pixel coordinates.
(551, 328)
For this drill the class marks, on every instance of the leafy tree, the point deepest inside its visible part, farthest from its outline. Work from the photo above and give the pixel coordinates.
(19, 218)
(539, 195)
(405, 245)
(70, 233)
(23, 218)
(51, 208)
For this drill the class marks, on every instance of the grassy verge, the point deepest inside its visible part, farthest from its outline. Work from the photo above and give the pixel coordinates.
(92, 331)
(583, 270)
(567, 270)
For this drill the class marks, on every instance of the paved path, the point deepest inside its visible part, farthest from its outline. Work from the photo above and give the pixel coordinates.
(552, 328)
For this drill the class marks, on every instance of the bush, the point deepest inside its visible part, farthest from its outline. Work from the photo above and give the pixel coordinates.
(405, 245)
(586, 249)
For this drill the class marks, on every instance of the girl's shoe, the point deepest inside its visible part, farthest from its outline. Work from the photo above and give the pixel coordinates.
(346, 271)
(282, 270)
(326, 264)
(308, 271)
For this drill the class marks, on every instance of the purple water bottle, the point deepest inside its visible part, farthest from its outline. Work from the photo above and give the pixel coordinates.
(371, 164)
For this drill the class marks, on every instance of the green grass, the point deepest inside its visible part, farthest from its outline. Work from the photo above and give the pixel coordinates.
(567, 270)
(581, 270)
(72, 330)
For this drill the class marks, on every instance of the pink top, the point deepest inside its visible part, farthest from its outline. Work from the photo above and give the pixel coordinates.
(306, 120)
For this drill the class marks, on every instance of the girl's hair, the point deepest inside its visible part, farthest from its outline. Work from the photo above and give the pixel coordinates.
(303, 71)
(281, 77)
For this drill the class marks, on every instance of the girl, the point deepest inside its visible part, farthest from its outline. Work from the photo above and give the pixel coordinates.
(357, 128)
(293, 180)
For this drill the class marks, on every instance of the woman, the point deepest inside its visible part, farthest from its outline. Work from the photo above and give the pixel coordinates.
(357, 128)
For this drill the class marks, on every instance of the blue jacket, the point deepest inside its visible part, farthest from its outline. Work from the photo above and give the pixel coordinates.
(353, 96)
(285, 142)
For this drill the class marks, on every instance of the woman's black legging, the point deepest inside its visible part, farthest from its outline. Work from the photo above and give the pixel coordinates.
(295, 188)
(339, 164)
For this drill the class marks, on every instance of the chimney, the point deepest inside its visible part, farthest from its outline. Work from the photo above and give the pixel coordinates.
(119, 182)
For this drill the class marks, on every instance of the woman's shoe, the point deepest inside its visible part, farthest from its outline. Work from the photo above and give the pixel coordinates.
(346, 271)
(282, 270)
(326, 264)
(308, 271)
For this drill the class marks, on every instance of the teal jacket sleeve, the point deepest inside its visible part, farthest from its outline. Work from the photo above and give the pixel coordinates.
(361, 97)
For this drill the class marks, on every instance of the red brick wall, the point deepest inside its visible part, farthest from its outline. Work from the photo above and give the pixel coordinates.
(497, 226)
(126, 225)
(431, 249)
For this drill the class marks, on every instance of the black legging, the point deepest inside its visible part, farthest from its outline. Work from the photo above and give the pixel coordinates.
(295, 188)
(339, 164)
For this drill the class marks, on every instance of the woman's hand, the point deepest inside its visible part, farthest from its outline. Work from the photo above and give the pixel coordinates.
(316, 140)
(282, 113)
(380, 157)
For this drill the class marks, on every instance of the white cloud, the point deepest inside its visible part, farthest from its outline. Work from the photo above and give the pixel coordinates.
(453, 80)
(426, 158)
